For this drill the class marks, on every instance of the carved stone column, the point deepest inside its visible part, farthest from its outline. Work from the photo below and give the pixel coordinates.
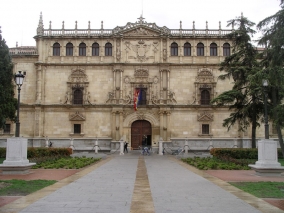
(168, 132)
(38, 85)
(161, 124)
(113, 132)
(161, 84)
(37, 122)
(120, 124)
(168, 83)
(43, 85)
(121, 91)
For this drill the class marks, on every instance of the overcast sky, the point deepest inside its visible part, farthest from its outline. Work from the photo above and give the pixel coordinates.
(19, 18)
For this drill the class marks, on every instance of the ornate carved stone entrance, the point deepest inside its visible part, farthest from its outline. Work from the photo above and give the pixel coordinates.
(140, 128)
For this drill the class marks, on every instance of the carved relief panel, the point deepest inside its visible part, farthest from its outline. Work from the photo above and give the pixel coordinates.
(205, 86)
(77, 88)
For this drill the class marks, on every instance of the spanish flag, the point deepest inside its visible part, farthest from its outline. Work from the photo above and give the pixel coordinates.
(137, 94)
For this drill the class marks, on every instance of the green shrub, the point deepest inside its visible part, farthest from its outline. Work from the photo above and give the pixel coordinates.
(238, 153)
(2, 152)
(41, 152)
(215, 163)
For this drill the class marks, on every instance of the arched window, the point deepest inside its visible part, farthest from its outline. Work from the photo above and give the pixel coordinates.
(78, 96)
(205, 97)
(108, 49)
(200, 49)
(56, 49)
(226, 49)
(82, 49)
(187, 49)
(95, 49)
(69, 49)
(174, 49)
(213, 49)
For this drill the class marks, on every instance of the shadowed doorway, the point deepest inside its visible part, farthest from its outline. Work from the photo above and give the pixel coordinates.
(139, 129)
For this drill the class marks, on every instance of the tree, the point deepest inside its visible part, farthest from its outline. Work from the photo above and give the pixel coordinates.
(244, 99)
(8, 104)
(273, 39)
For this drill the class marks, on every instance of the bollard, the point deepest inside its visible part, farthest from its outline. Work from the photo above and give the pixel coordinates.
(96, 146)
(121, 147)
(235, 143)
(160, 147)
(46, 141)
(186, 147)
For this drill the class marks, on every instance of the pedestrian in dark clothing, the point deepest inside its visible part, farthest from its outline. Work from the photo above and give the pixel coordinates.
(125, 147)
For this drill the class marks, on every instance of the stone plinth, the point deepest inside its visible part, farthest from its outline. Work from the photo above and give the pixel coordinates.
(267, 164)
(16, 157)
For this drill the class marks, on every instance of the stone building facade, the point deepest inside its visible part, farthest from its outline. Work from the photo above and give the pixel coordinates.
(80, 85)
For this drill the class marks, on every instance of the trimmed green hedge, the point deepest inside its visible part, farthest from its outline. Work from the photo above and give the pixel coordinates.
(238, 153)
(39, 152)
(2, 152)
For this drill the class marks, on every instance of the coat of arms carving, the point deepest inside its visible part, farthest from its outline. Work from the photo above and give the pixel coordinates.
(141, 49)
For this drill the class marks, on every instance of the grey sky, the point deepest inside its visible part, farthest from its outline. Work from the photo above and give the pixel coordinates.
(19, 19)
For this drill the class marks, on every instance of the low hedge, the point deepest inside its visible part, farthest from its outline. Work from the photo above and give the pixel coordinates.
(2, 152)
(39, 152)
(238, 153)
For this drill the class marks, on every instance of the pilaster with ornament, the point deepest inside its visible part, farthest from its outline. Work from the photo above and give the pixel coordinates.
(168, 132)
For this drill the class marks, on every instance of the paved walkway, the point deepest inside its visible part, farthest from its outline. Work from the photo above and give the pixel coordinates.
(135, 183)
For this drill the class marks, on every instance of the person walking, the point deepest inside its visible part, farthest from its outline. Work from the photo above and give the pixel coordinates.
(125, 147)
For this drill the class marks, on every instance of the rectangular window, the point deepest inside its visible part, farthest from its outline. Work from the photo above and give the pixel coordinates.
(7, 129)
(205, 129)
(56, 51)
(95, 51)
(213, 51)
(69, 51)
(82, 51)
(226, 52)
(187, 52)
(200, 52)
(77, 128)
(143, 97)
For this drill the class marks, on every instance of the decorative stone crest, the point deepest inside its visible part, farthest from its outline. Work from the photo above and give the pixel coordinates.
(77, 117)
(205, 116)
(141, 27)
(141, 49)
(140, 116)
(141, 72)
(205, 75)
(78, 76)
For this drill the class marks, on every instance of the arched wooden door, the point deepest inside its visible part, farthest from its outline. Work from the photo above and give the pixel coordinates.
(139, 129)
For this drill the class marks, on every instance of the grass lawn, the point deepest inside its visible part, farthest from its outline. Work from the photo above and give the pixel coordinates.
(262, 189)
(22, 187)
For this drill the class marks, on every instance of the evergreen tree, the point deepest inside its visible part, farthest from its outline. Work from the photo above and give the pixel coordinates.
(273, 62)
(8, 104)
(244, 99)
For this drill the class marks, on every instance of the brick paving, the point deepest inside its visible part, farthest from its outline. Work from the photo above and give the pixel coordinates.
(276, 202)
(225, 175)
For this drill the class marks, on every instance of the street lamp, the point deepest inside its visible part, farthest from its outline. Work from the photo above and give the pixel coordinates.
(266, 125)
(19, 78)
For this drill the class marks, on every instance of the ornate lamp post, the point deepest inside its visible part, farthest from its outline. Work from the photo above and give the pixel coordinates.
(266, 125)
(19, 78)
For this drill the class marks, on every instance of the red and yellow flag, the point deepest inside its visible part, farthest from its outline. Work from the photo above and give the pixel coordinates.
(136, 98)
